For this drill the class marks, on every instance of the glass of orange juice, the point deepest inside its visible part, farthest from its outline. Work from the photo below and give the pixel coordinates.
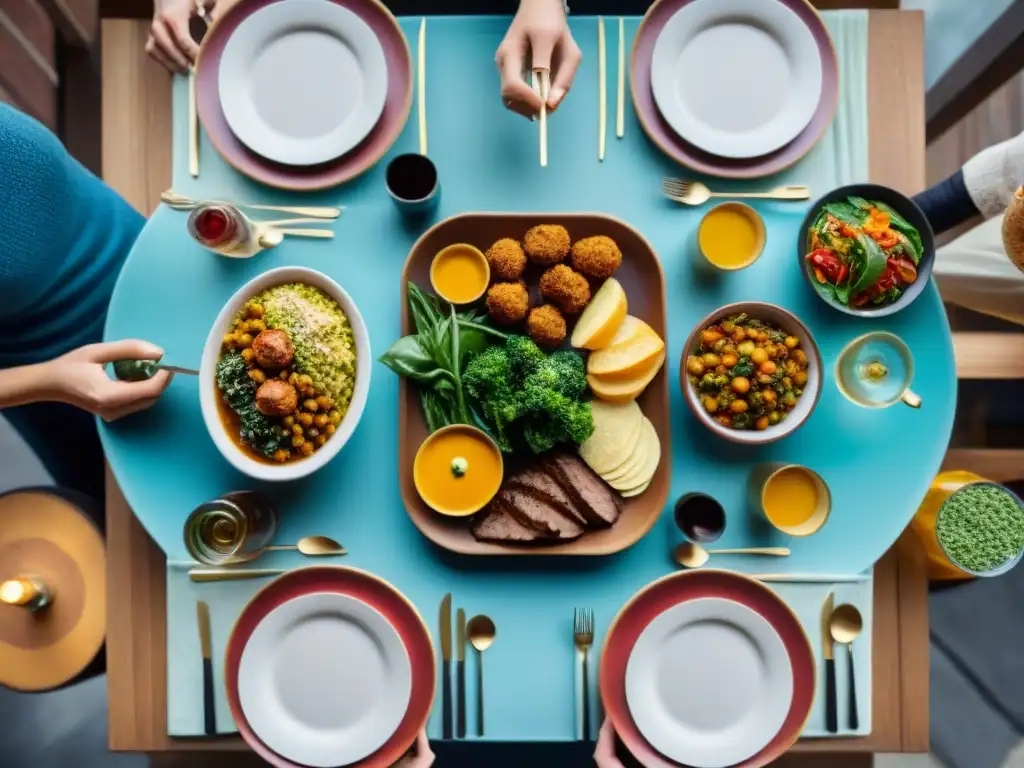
(792, 498)
(731, 236)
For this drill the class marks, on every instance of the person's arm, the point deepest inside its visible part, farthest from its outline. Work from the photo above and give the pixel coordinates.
(947, 203)
(79, 378)
(985, 185)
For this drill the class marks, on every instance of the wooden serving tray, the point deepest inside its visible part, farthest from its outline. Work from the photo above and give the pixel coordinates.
(644, 282)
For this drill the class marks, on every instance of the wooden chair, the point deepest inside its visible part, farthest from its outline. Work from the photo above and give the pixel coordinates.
(988, 356)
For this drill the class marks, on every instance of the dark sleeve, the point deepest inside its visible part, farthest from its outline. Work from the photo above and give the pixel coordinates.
(947, 203)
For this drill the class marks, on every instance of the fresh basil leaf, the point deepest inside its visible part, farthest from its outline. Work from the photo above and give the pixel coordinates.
(895, 219)
(842, 294)
(872, 263)
(910, 250)
(846, 213)
(860, 202)
(424, 316)
(408, 353)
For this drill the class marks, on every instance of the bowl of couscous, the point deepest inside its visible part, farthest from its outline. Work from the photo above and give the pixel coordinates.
(285, 374)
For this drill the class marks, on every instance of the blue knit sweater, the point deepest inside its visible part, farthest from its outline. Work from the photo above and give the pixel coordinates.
(63, 238)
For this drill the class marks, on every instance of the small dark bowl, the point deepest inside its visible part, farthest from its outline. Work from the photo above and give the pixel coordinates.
(901, 204)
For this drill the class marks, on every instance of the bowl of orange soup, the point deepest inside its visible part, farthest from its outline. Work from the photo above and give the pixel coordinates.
(458, 470)
(460, 273)
(731, 236)
(793, 499)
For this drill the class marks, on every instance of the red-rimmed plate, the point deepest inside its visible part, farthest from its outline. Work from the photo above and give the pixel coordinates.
(659, 131)
(372, 591)
(310, 177)
(681, 587)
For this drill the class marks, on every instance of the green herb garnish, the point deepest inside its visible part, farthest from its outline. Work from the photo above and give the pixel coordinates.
(980, 527)
(239, 391)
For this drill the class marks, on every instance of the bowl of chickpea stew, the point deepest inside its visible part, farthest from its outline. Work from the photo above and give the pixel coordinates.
(751, 372)
(285, 374)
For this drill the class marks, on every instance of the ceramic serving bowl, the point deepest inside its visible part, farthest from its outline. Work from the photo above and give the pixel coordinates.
(999, 570)
(784, 320)
(902, 205)
(208, 392)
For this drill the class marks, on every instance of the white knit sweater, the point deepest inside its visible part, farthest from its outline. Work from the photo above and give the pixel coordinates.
(993, 175)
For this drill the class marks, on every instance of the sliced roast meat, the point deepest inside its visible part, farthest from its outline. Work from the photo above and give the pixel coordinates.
(593, 496)
(495, 523)
(538, 514)
(539, 483)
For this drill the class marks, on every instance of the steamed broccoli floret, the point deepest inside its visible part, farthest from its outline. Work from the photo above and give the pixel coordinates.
(528, 396)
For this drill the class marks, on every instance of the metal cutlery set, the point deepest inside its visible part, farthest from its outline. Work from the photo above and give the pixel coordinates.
(479, 632)
(583, 638)
(839, 624)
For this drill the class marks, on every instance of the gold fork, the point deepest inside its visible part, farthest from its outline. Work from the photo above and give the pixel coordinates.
(698, 193)
(583, 637)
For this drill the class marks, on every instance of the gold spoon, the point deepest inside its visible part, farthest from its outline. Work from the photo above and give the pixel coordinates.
(698, 193)
(692, 555)
(312, 546)
(481, 632)
(844, 626)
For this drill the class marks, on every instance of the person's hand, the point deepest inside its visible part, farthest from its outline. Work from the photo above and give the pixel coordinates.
(170, 42)
(80, 379)
(604, 752)
(420, 756)
(538, 37)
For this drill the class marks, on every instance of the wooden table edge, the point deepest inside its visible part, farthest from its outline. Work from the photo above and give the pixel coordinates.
(140, 168)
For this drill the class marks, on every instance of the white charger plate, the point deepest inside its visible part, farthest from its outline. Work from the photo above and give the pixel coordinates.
(302, 82)
(324, 680)
(736, 78)
(709, 683)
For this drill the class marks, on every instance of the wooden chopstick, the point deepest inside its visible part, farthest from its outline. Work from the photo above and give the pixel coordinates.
(602, 90)
(421, 84)
(545, 86)
(193, 126)
(620, 106)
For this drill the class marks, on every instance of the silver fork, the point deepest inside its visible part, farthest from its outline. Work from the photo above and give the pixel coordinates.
(583, 637)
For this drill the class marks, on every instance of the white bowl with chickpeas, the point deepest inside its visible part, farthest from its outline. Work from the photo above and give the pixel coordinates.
(751, 372)
(297, 374)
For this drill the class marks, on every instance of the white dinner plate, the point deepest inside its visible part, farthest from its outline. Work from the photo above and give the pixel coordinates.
(736, 78)
(324, 680)
(709, 683)
(302, 82)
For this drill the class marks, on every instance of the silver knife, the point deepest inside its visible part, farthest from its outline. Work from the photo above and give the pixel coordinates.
(446, 666)
(460, 670)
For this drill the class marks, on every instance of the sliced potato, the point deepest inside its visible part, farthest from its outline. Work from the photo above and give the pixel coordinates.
(617, 430)
(642, 474)
(628, 359)
(624, 390)
(601, 319)
(636, 491)
(635, 459)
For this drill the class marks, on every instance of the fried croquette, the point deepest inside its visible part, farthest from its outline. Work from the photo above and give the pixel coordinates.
(507, 259)
(547, 244)
(508, 303)
(565, 287)
(546, 326)
(596, 256)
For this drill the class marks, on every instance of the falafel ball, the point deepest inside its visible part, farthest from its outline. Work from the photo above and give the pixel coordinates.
(565, 287)
(547, 244)
(507, 259)
(597, 256)
(546, 325)
(273, 349)
(276, 398)
(508, 303)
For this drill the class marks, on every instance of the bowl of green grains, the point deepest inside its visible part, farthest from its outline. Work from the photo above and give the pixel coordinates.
(980, 527)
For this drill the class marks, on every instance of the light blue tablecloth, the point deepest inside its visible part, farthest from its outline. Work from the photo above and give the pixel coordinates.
(878, 464)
